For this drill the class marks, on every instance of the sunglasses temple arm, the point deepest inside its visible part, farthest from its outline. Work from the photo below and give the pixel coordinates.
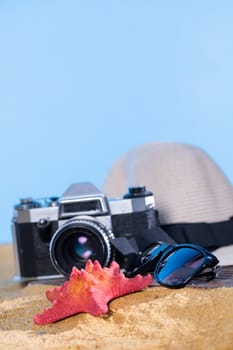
(211, 274)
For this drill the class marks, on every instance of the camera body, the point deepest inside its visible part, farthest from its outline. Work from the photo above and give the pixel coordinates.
(53, 234)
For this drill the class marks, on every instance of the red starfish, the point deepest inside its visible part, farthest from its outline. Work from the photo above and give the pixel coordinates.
(90, 290)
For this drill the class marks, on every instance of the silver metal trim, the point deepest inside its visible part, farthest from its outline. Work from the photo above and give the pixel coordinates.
(102, 201)
(20, 279)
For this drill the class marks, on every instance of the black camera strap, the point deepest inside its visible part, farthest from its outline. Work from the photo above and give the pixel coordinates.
(125, 245)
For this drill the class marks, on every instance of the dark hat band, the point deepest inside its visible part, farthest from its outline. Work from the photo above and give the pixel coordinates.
(209, 235)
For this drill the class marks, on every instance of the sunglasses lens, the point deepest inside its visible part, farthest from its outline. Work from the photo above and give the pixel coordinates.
(179, 266)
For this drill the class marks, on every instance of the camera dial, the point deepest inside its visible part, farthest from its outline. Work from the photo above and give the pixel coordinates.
(137, 191)
(53, 201)
(27, 203)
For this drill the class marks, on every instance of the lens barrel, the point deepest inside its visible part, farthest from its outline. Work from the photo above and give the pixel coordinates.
(78, 240)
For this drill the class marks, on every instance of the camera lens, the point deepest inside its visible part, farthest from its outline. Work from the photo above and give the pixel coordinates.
(81, 246)
(77, 241)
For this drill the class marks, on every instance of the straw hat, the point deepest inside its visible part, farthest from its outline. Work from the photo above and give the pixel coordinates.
(193, 196)
(188, 185)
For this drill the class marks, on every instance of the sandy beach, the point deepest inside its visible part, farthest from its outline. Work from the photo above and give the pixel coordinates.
(155, 318)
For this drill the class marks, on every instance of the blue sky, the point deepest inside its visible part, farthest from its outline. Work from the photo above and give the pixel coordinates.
(81, 82)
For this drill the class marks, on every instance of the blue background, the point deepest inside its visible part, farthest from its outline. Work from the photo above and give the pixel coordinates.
(84, 81)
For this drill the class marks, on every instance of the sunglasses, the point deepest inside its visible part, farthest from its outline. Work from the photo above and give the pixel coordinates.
(175, 266)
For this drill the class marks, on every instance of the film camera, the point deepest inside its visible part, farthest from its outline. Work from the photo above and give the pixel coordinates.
(51, 235)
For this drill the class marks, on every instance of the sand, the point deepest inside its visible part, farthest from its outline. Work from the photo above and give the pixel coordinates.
(156, 318)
